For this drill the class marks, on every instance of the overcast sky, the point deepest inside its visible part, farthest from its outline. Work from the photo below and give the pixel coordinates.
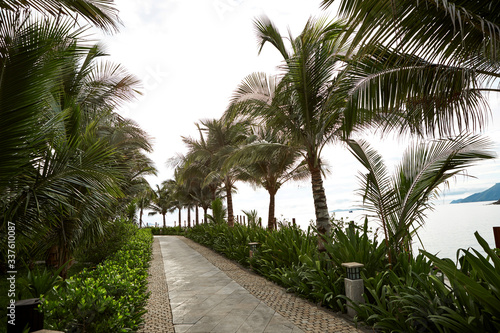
(190, 56)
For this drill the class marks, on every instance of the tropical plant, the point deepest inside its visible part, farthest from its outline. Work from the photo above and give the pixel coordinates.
(223, 137)
(38, 283)
(219, 212)
(415, 296)
(143, 200)
(399, 202)
(426, 63)
(252, 217)
(306, 105)
(162, 202)
(101, 13)
(266, 160)
(110, 298)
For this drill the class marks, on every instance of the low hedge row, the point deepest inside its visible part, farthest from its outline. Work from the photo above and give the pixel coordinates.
(166, 230)
(110, 298)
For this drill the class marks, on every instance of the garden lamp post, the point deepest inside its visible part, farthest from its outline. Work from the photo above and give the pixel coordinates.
(354, 286)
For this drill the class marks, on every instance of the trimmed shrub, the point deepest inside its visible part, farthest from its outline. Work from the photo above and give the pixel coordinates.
(166, 230)
(110, 298)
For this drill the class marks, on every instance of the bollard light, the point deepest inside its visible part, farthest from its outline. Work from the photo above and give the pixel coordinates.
(353, 270)
(254, 246)
(354, 286)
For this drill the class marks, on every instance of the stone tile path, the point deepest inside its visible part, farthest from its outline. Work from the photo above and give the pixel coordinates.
(204, 299)
(209, 293)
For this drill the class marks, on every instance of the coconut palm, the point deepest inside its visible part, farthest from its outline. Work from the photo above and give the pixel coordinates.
(223, 137)
(143, 200)
(306, 104)
(429, 63)
(62, 173)
(400, 201)
(162, 202)
(101, 13)
(267, 161)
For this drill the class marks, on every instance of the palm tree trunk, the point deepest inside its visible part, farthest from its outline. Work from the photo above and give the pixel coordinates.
(197, 216)
(180, 224)
(270, 217)
(320, 206)
(140, 217)
(164, 221)
(205, 212)
(189, 216)
(229, 198)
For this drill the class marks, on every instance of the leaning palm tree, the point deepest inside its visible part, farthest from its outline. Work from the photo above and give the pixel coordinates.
(399, 201)
(428, 63)
(306, 104)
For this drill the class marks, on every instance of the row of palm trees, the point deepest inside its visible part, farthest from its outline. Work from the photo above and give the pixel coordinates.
(69, 164)
(376, 71)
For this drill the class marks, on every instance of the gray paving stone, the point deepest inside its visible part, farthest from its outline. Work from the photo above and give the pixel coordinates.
(205, 299)
(202, 305)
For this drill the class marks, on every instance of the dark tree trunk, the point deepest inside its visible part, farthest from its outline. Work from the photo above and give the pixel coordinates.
(164, 221)
(197, 216)
(180, 217)
(189, 216)
(140, 217)
(320, 206)
(229, 198)
(270, 217)
(205, 212)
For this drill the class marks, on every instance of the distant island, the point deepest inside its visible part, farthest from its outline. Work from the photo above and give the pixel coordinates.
(491, 194)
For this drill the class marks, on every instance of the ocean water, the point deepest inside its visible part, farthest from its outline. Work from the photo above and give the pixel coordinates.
(448, 227)
(452, 226)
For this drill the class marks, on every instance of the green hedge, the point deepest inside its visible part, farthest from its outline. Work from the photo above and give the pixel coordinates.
(166, 230)
(110, 298)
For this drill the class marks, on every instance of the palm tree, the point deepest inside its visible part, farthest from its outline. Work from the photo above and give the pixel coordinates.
(223, 137)
(306, 104)
(269, 162)
(162, 202)
(399, 202)
(62, 174)
(143, 200)
(430, 63)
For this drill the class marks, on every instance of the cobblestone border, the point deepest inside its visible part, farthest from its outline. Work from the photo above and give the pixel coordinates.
(158, 319)
(304, 314)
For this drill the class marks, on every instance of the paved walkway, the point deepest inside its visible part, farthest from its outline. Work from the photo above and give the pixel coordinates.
(209, 293)
(204, 299)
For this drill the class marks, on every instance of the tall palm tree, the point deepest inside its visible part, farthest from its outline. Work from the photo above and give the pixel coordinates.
(267, 161)
(400, 201)
(427, 62)
(306, 104)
